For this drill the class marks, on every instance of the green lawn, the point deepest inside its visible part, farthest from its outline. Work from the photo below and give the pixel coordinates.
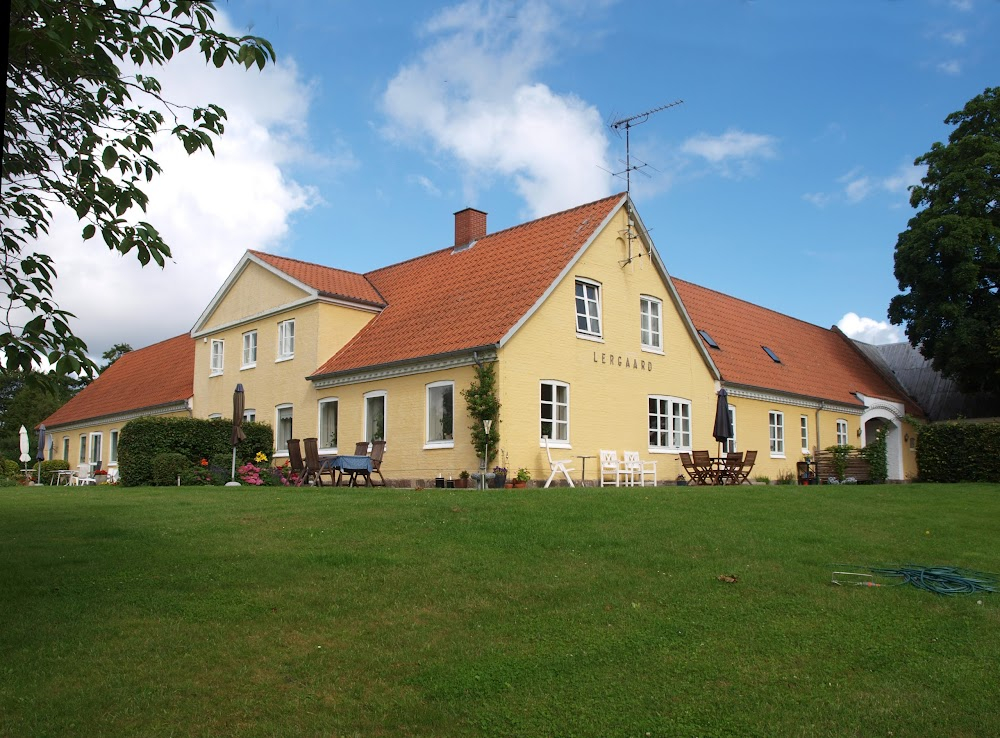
(214, 612)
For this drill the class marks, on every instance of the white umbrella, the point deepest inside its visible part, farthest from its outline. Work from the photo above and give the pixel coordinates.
(25, 448)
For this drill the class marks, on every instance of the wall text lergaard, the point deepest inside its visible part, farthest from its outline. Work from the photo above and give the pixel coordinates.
(626, 362)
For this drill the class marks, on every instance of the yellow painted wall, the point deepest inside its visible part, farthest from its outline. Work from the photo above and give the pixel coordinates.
(256, 290)
(104, 429)
(610, 380)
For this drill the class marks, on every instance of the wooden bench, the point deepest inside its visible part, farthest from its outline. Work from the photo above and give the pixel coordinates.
(857, 466)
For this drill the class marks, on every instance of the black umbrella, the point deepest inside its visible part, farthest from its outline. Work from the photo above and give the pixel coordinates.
(239, 403)
(40, 452)
(723, 430)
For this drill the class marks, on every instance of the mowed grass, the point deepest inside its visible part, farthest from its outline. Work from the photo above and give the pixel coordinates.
(583, 612)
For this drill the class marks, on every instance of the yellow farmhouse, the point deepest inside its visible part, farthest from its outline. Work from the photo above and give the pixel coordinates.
(594, 345)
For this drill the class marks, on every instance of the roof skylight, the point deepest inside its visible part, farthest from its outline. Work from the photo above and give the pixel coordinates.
(774, 356)
(708, 339)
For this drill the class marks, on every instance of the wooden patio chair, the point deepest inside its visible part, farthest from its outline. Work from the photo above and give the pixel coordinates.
(361, 448)
(295, 460)
(696, 473)
(703, 460)
(315, 469)
(731, 468)
(743, 475)
(378, 453)
(557, 466)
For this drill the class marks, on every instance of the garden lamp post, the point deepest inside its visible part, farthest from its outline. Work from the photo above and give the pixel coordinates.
(486, 455)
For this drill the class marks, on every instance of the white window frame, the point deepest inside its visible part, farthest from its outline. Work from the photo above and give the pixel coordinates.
(730, 445)
(776, 433)
(96, 449)
(670, 419)
(249, 415)
(215, 416)
(559, 437)
(323, 432)
(66, 449)
(430, 422)
(278, 450)
(217, 358)
(804, 432)
(83, 448)
(842, 438)
(249, 350)
(650, 324)
(368, 398)
(286, 340)
(591, 308)
(113, 447)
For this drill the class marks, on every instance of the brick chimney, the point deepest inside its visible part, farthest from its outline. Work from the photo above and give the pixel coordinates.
(470, 225)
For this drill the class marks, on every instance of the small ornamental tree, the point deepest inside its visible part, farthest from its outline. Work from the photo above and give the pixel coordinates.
(482, 404)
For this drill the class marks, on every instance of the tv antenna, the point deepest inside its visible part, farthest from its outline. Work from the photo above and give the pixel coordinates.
(627, 124)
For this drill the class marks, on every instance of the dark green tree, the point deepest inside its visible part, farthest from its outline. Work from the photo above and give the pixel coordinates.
(482, 404)
(948, 258)
(113, 354)
(79, 132)
(28, 404)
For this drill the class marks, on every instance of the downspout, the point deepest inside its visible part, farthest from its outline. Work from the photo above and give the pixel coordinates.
(822, 406)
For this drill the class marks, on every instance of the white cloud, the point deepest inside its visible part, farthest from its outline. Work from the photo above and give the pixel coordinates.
(952, 66)
(733, 152)
(869, 330)
(208, 209)
(819, 199)
(472, 93)
(425, 184)
(963, 5)
(904, 177)
(857, 189)
(954, 37)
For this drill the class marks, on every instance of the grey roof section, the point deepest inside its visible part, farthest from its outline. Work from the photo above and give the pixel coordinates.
(938, 397)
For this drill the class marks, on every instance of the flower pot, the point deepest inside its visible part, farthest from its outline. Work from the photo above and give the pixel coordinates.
(509, 485)
(519, 485)
(461, 483)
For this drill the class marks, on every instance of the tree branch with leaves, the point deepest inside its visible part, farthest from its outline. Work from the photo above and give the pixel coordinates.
(79, 132)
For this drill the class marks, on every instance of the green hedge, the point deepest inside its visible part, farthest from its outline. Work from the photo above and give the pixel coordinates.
(50, 467)
(959, 452)
(143, 439)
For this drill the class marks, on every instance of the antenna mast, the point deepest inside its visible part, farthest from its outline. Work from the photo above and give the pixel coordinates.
(627, 124)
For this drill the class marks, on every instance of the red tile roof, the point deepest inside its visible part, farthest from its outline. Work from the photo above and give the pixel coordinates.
(815, 362)
(461, 299)
(149, 377)
(327, 280)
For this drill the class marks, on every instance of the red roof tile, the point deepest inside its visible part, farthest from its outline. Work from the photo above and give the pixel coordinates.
(461, 299)
(327, 280)
(149, 377)
(815, 362)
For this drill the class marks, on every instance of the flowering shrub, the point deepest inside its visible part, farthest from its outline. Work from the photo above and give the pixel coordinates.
(287, 476)
(250, 474)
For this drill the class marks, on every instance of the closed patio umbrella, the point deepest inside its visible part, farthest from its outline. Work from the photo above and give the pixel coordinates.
(723, 430)
(239, 404)
(40, 452)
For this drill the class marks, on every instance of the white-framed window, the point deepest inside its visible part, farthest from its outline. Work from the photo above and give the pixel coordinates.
(375, 415)
(669, 424)
(215, 416)
(650, 331)
(95, 449)
(286, 340)
(249, 350)
(83, 448)
(440, 415)
(554, 411)
(841, 432)
(588, 308)
(282, 428)
(65, 448)
(113, 447)
(804, 432)
(329, 409)
(249, 415)
(776, 430)
(731, 442)
(218, 349)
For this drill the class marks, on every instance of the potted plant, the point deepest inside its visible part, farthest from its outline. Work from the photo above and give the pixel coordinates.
(522, 477)
(499, 476)
(100, 475)
(463, 480)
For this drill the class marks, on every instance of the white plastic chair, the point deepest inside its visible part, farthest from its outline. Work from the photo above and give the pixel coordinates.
(636, 467)
(610, 466)
(83, 475)
(558, 466)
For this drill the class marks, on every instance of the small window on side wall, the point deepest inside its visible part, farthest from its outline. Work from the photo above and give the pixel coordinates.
(841, 432)
(286, 340)
(218, 349)
(554, 411)
(588, 308)
(328, 416)
(441, 415)
(650, 312)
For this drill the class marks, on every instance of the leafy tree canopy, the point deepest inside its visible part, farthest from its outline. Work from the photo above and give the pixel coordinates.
(79, 132)
(113, 354)
(948, 258)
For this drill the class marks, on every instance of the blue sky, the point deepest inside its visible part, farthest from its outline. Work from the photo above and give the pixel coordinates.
(781, 179)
